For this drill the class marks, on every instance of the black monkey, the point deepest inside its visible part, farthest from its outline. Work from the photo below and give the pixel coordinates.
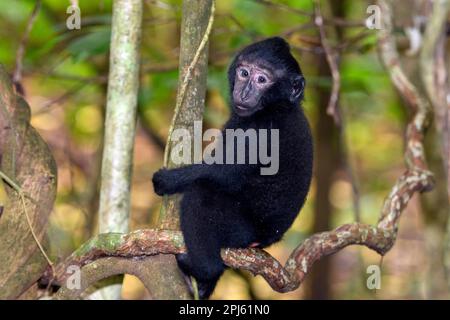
(234, 205)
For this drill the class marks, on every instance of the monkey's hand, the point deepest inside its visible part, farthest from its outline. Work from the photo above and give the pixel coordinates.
(167, 181)
(161, 181)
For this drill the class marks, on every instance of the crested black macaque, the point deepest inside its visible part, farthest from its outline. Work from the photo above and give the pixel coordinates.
(234, 205)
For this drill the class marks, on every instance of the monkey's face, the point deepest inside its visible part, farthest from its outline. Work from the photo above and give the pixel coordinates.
(251, 83)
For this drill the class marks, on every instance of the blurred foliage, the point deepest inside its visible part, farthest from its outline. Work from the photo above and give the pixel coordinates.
(64, 78)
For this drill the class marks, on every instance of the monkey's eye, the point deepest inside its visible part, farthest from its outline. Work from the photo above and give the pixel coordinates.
(244, 73)
(261, 79)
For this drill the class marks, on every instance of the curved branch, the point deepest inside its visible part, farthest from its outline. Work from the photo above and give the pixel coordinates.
(147, 269)
(281, 278)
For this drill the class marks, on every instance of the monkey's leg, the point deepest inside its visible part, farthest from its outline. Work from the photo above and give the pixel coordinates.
(199, 223)
(204, 265)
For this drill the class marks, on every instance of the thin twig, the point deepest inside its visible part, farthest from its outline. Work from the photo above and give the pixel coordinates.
(102, 79)
(17, 74)
(58, 100)
(331, 56)
(348, 43)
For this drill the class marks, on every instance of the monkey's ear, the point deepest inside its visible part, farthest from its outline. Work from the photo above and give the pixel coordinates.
(298, 85)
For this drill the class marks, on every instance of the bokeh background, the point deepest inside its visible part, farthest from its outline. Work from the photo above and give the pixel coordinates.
(65, 74)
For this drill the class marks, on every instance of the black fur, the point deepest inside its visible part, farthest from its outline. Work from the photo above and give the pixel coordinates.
(234, 205)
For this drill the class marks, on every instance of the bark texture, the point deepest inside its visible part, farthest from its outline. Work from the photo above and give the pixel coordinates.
(120, 122)
(27, 160)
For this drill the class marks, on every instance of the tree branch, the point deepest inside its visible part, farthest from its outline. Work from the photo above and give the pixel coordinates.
(148, 242)
(196, 26)
(435, 80)
(332, 59)
(17, 74)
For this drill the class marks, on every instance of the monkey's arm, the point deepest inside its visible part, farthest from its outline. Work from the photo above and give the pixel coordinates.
(229, 177)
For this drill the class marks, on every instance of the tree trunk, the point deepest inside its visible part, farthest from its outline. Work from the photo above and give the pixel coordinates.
(26, 160)
(120, 123)
(327, 163)
(195, 20)
(196, 14)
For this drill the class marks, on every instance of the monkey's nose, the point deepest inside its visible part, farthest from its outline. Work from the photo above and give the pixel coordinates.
(246, 92)
(244, 95)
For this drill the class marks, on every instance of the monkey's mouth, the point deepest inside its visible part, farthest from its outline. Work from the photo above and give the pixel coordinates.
(244, 111)
(243, 107)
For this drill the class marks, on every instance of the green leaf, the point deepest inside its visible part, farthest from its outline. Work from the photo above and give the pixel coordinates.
(90, 44)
